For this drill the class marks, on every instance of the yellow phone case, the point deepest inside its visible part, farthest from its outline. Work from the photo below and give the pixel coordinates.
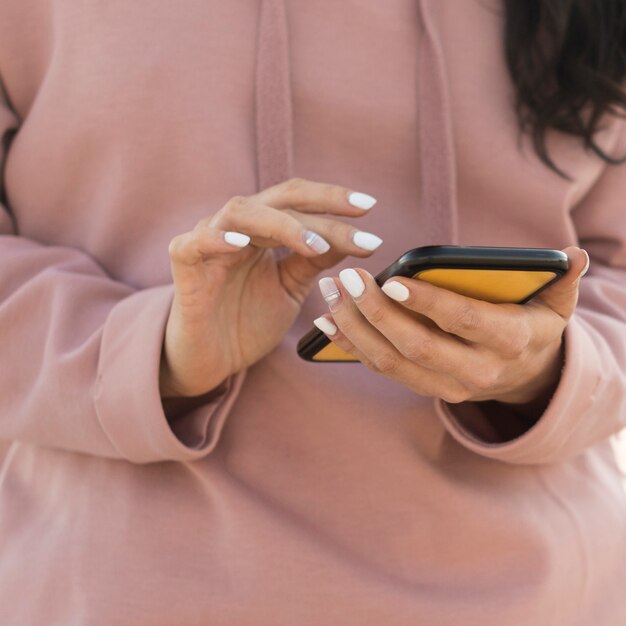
(491, 285)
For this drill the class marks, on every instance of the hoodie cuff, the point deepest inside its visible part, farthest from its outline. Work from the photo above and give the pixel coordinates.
(542, 442)
(127, 398)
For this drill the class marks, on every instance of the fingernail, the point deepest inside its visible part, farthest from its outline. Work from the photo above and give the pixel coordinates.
(351, 280)
(396, 291)
(361, 200)
(330, 292)
(236, 239)
(316, 242)
(586, 268)
(367, 241)
(325, 325)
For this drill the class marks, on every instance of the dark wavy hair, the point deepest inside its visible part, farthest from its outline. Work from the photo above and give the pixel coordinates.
(567, 59)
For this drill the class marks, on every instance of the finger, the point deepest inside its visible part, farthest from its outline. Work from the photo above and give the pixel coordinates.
(189, 251)
(562, 295)
(268, 227)
(501, 327)
(344, 240)
(375, 351)
(343, 237)
(428, 346)
(314, 197)
(326, 324)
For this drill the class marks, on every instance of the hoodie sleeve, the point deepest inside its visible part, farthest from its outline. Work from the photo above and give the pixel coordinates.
(80, 355)
(589, 404)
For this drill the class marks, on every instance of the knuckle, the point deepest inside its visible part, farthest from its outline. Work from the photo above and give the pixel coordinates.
(347, 327)
(516, 344)
(375, 314)
(278, 226)
(203, 223)
(368, 363)
(332, 193)
(235, 204)
(428, 300)
(385, 363)
(293, 185)
(456, 395)
(176, 247)
(463, 319)
(420, 349)
(333, 229)
(484, 379)
(285, 220)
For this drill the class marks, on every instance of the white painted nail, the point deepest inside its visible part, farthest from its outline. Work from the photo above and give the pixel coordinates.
(361, 200)
(351, 280)
(316, 242)
(326, 326)
(396, 291)
(367, 241)
(330, 292)
(586, 268)
(236, 239)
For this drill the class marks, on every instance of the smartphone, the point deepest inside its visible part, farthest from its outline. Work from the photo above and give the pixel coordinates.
(486, 273)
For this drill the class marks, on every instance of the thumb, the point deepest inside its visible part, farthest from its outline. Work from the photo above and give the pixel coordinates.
(562, 295)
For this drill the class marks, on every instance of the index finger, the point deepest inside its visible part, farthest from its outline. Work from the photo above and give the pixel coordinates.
(501, 327)
(312, 197)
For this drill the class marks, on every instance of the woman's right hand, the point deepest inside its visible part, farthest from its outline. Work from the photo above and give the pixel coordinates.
(233, 302)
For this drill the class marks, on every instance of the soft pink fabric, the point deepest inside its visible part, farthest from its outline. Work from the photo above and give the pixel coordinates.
(298, 493)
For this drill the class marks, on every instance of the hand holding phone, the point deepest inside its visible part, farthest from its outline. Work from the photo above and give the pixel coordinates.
(444, 344)
(494, 274)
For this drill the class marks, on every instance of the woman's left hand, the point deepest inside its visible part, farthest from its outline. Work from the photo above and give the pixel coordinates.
(462, 349)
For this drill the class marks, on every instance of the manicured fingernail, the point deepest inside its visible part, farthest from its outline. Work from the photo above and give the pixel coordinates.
(236, 239)
(361, 200)
(316, 242)
(367, 241)
(351, 280)
(326, 326)
(586, 268)
(396, 291)
(330, 292)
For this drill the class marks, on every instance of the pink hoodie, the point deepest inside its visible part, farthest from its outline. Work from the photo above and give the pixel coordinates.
(299, 493)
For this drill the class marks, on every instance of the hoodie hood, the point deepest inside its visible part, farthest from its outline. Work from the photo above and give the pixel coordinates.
(274, 136)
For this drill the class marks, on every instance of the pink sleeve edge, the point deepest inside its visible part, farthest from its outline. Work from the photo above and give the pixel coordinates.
(127, 398)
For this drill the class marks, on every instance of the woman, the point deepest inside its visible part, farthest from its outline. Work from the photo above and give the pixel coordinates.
(171, 459)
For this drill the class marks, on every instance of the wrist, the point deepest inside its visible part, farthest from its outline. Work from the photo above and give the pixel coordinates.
(537, 395)
(172, 388)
